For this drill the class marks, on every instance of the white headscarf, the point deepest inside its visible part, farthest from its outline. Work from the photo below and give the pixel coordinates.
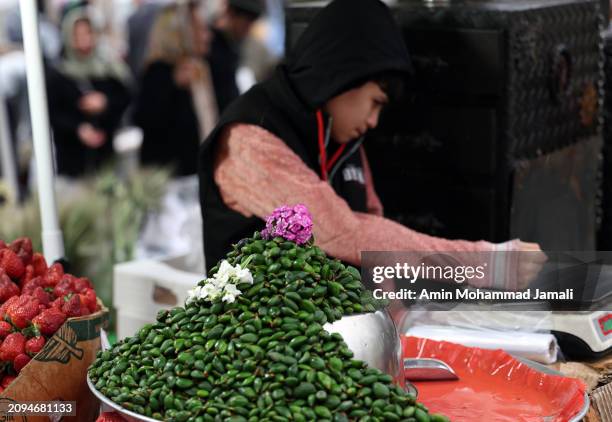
(93, 65)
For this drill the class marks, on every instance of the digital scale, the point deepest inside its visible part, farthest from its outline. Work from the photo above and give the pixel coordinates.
(583, 334)
(588, 333)
(583, 328)
(580, 334)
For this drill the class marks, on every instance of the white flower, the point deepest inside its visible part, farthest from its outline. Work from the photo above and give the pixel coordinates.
(210, 290)
(225, 269)
(222, 284)
(221, 280)
(228, 298)
(232, 290)
(244, 275)
(193, 294)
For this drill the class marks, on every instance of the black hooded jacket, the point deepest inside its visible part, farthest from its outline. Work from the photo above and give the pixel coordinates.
(346, 43)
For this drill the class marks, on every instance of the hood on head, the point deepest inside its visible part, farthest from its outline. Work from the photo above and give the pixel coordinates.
(67, 27)
(347, 42)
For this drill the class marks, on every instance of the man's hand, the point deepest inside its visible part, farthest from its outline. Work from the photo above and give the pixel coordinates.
(531, 261)
(90, 136)
(93, 103)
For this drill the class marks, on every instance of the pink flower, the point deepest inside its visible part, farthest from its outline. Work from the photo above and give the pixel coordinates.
(291, 223)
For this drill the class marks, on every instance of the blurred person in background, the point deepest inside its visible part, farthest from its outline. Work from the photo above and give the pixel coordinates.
(230, 29)
(275, 37)
(175, 106)
(68, 6)
(50, 37)
(263, 48)
(139, 27)
(87, 94)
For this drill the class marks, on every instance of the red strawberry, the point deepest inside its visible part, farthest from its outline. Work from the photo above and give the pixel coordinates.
(13, 345)
(39, 264)
(20, 361)
(42, 296)
(65, 286)
(6, 305)
(23, 248)
(27, 275)
(30, 286)
(5, 329)
(34, 345)
(80, 284)
(72, 306)
(49, 321)
(89, 299)
(23, 311)
(57, 303)
(110, 417)
(7, 380)
(8, 289)
(2, 244)
(11, 263)
(84, 309)
(53, 275)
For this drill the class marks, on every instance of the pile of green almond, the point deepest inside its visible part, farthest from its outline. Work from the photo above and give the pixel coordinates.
(257, 351)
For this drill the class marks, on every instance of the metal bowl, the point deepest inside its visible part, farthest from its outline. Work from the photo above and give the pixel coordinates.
(108, 405)
(374, 339)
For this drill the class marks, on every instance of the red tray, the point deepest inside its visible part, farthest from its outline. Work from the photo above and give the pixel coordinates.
(495, 386)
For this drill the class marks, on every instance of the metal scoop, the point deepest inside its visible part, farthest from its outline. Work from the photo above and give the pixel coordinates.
(427, 369)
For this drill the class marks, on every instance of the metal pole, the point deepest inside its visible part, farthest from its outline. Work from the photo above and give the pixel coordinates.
(53, 244)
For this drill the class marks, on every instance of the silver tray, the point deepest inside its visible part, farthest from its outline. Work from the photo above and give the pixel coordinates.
(134, 417)
(545, 369)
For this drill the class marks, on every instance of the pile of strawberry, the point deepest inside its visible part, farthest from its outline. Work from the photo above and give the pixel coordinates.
(35, 300)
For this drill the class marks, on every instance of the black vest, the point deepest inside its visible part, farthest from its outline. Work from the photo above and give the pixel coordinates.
(274, 106)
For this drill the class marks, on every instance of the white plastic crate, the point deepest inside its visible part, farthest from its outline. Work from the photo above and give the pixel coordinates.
(142, 288)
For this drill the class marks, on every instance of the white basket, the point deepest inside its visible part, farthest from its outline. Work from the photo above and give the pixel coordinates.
(142, 288)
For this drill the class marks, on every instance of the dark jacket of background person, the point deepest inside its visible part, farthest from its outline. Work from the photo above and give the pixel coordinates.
(232, 27)
(224, 60)
(172, 118)
(166, 115)
(74, 77)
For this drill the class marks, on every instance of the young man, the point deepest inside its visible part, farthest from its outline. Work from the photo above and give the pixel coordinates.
(270, 147)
